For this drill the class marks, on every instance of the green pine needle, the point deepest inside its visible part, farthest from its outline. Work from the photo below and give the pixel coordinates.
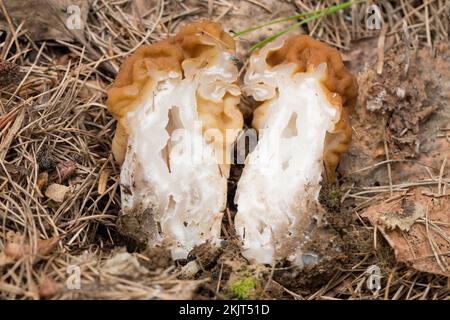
(294, 17)
(262, 43)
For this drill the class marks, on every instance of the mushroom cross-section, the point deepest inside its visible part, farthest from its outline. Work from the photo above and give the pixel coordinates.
(175, 102)
(306, 96)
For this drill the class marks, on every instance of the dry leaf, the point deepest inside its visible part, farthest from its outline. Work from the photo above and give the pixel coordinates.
(42, 180)
(56, 192)
(102, 180)
(16, 248)
(124, 264)
(403, 220)
(426, 243)
(46, 19)
(48, 287)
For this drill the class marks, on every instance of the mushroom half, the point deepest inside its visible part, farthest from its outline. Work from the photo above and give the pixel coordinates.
(174, 101)
(305, 97)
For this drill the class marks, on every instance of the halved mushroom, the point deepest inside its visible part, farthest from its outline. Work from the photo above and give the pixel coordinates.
(306, 97)
(174, 102)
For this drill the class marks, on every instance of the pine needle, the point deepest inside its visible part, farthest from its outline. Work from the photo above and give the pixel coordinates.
(310, 16)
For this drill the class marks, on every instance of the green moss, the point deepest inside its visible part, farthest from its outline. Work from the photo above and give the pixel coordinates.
(330, 197)
(244, 289)
(334, 195)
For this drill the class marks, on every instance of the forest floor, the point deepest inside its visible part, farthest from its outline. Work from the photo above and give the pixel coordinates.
(59, 184)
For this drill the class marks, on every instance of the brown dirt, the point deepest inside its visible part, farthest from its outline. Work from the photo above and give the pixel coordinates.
(9, 73)
(412, 120)
(137, 228)
(156, 258)
(348, 241)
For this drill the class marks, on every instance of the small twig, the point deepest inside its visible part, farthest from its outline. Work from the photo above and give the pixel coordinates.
(381, 41)
(386, 149)
(441, 174)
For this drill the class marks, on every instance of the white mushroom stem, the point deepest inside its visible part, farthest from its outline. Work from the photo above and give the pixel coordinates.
(282, 176)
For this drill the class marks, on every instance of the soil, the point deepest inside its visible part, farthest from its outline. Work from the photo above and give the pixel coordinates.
(409, 100)
(157, 258)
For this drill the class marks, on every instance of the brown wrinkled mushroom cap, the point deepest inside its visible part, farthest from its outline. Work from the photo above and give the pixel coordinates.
(307, 53)
(128, 88)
